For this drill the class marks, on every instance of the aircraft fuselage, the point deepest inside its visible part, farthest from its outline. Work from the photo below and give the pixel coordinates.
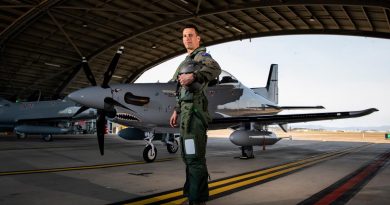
(225, 100)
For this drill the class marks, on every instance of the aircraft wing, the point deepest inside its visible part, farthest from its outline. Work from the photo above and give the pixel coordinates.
(294, 118)
(53, 119)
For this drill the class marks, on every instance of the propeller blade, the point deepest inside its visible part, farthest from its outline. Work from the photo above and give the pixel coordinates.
(101, 129)
(80, 110)
(88, 72)
(110, 71)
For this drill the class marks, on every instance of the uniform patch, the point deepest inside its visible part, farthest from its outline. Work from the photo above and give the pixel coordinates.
(189, 146)
(206, 54)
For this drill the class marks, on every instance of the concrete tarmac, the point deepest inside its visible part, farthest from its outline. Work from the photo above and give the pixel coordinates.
(70, 170)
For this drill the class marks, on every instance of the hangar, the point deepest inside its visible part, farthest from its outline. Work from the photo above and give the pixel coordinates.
(42, 41)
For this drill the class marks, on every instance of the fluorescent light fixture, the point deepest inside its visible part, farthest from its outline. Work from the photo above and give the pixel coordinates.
(53, 65)
(184, 1)
(116, 76)
(234, 28)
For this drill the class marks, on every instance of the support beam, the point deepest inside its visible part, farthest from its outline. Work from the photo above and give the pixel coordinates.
(387, 15)
(268, 19)
(65, 34)
(368, 18)
(188, 11)
(198, 7)
(254, 19)
(89, 21)
(284, 19)
(314, 17)
(15, 6)
(120, 10)
(349, 17)
(298, 16)
(331, 16)
(21, 23)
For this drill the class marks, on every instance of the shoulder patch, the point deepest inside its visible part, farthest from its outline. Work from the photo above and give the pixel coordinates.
(206, 54)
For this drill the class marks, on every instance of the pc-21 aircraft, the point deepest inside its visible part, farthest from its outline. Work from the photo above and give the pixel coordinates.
(41, 117)
(147, 107)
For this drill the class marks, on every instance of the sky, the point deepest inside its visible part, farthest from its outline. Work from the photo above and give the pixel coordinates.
(341, 73)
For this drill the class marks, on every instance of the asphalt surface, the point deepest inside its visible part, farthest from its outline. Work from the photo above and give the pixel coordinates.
(70, 170)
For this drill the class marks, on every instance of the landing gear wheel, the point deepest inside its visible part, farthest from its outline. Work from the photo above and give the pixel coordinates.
(247, 152)
(172, 148)
(149, 154)
(47, 138)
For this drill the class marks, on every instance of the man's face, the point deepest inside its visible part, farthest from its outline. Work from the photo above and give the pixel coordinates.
(191, 40)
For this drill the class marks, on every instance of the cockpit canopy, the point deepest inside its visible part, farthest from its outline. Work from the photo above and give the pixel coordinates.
(226, 77)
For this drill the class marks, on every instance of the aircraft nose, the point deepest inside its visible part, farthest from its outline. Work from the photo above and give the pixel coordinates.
(92, 97)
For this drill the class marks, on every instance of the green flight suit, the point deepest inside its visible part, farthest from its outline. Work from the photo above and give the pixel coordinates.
(194, 117)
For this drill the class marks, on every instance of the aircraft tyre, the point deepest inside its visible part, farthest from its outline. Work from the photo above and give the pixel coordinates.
(21, 135)
(47, 137)
(172, 148)
(247, 152)
(149, 155)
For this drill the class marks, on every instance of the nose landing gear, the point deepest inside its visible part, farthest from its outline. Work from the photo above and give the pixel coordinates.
(150, 151)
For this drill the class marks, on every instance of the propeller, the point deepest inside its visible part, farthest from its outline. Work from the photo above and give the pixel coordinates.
(101, 129)
(88, 72)
(80, 110)
(109, 102)
(110, 71)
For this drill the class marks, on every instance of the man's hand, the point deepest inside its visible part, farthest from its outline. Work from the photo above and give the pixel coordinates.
(173, 120)
(186, 79)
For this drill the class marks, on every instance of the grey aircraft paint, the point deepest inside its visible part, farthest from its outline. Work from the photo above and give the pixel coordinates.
(39, 117)
(231, 104)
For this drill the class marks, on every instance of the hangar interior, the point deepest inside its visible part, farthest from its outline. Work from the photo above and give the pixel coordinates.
(42, 42)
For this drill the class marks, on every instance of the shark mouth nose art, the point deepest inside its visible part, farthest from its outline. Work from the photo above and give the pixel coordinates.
(127, 117)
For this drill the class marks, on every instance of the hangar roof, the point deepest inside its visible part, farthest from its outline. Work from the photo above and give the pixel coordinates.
(42, 41)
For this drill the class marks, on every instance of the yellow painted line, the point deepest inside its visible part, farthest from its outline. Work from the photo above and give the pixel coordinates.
(282, 169)
(218, 183)
(180, 193)
(99, 166)
(159, 198)
(256, 180)
(302, 161)
(264, 177)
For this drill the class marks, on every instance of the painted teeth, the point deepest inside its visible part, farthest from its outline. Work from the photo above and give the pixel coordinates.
(126, 116)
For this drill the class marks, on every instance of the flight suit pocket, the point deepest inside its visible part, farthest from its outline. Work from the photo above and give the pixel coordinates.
(186, 117)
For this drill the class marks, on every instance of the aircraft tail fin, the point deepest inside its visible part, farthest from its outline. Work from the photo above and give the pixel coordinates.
(271, 90)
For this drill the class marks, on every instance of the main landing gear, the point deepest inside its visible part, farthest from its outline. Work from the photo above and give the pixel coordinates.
(150, 151)
(247, 152)
(47, 137)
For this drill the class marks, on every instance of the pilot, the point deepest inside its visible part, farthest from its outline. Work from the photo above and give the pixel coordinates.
(193, 76)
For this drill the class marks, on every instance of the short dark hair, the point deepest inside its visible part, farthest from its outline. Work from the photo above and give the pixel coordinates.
(191, 26)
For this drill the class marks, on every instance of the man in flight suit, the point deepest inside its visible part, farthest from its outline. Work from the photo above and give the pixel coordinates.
(193, 76)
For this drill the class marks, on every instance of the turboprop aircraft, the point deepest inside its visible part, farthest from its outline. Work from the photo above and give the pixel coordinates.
(41, 117)
(147, 107)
